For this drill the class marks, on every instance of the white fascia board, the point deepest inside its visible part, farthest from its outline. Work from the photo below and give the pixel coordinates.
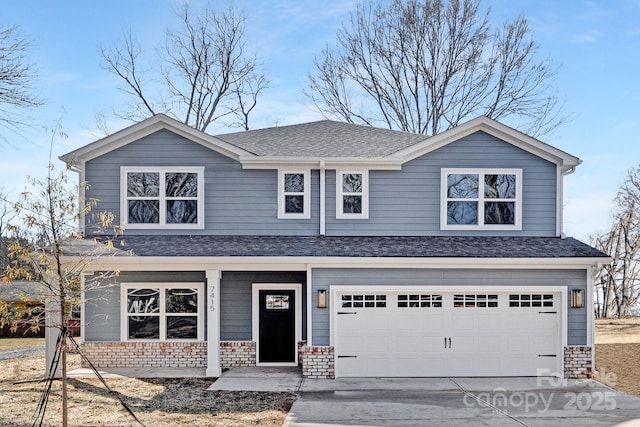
(145, 128)
(125, 263)
(274, 162)
(496, 129)
(448, 288)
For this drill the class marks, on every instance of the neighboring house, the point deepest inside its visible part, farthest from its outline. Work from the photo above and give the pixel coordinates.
(349, 250)
(30, 297)
(22, 296)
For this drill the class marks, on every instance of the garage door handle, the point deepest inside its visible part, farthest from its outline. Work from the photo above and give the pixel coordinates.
(347, 312)
(445, 342)
(449, 342)
(547, 312)
(546, 355)
(342, 357)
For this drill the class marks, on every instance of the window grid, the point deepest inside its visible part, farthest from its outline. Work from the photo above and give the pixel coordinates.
(531, 300)
(419, 301)
(363, 301)
(475, 301)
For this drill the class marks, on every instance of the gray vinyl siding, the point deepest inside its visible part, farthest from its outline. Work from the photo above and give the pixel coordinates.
(404, 202)
(102, 302)
(236, 298)
(237, 201)
(407, 202)
(572, 279)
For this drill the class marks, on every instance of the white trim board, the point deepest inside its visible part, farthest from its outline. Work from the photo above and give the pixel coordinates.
(131, 263)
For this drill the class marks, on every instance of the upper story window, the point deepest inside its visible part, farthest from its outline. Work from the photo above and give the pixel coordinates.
(481, 199)
(162, 197)
(352, 194)
(294, 194)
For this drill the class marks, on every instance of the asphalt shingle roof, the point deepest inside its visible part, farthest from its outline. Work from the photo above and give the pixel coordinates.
(380, 246)
(325, 138)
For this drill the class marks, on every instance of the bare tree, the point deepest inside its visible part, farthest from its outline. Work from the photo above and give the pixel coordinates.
(426, 66)
(17, 77)
(618, 283)
(55, 255)
(204, 72)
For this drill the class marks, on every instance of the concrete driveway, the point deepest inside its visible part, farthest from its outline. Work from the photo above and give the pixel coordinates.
(461, 402)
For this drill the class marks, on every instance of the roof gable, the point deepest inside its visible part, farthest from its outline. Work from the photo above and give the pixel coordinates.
(496, 129)
(145, 128)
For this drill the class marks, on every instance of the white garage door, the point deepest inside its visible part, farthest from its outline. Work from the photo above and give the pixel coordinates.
(416, 333)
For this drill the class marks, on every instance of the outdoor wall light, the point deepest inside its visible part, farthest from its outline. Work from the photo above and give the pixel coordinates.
(322, 298)
(576, 298)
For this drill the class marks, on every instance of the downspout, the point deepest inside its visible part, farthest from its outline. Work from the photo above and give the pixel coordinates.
(322, 198)
(73, 166)
(560, 199)
(83, 200)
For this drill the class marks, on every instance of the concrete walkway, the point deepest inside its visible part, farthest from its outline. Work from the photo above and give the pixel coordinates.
(252, 378)
(461, 402)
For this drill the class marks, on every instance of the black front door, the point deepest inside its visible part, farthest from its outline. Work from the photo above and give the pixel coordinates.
(277, 340)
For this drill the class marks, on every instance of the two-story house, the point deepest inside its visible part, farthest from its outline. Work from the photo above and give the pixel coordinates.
(350, 250)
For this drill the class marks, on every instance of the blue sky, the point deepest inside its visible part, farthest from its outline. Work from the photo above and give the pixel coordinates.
(597, 44)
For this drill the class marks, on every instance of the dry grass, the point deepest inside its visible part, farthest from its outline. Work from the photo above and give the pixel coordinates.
(156, 402)
(17, 343)
(618, 331)
(617, 350)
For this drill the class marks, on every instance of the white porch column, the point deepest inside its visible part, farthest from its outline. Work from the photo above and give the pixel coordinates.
(52, 325)
(213, 323)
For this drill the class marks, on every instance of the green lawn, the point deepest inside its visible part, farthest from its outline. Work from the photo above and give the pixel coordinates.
(17, 343)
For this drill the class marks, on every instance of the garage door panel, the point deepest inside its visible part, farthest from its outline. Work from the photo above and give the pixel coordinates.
(517, 343)
(488, 344)
(488, 321)
(406, 344)
(464, 321)
(448, 334)
(432, 319)
(376, 320)
(518, 321)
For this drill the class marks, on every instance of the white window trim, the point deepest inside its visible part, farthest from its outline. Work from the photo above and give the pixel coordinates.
(365, 194)
(124, 324)
(162, 225)
(480, 226)
(306, 213)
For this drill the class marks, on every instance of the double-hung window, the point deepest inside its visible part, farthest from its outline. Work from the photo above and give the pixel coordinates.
(294, 194)
(352, 194)
(162, 197)
(162, 311)
(481, 199)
